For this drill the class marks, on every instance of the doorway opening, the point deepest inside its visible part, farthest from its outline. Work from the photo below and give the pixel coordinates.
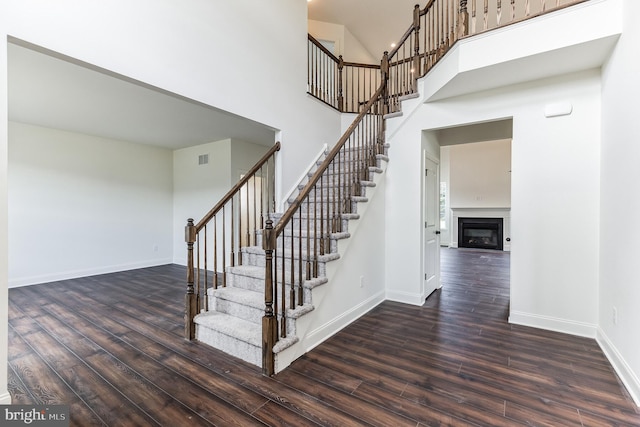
(474, 185)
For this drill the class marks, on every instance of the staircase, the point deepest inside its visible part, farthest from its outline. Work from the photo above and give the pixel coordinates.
(253, 294)
(233, 322)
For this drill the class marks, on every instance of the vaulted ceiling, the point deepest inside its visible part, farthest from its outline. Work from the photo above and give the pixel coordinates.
(375, 23)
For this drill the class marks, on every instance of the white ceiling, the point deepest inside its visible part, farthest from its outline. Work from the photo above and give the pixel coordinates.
(375, 23)
(53, 92)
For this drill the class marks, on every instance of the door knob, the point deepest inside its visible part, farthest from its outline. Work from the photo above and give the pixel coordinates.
(437, 231)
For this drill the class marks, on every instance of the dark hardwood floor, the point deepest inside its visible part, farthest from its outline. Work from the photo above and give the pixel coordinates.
(111, 347)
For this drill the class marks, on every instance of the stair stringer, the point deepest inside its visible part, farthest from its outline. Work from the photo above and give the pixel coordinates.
(342, 300)
(408, 106)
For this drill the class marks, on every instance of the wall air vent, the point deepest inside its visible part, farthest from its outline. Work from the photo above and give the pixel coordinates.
(203, 159)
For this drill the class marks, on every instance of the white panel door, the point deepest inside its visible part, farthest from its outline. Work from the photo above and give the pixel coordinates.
(431, 212)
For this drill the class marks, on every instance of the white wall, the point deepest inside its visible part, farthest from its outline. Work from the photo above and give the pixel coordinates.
(82, 205)
(243, 156)
(445, 174)
(245, 57)
(480, 174)
(5, 398)
(555, 197)
(197, 188)
(346, 44)
(620, 205)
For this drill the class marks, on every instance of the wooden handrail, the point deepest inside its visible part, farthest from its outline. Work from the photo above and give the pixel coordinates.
(361, 65)
(335, 58)
(225, 199)
(322, 48)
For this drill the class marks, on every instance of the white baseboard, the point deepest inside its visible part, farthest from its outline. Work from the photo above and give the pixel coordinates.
(5, 399)
(553, 324)
(406, 297)
(622, 368)
(74, 274)
(335, 325)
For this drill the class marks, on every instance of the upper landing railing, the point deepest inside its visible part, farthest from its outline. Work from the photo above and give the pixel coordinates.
(347, 86)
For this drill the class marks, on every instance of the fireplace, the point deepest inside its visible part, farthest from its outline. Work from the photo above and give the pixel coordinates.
(484, 233)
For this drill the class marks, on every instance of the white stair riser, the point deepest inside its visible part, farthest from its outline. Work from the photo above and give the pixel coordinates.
(259, 260)
(256, 284)
(246, 312)
(330, 245)
(230, 345)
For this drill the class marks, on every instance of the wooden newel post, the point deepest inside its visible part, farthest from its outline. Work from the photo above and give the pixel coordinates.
(463, 20)
(384, 70)
(340, 85)
(415, 68)
(190, 299)
(269, 321)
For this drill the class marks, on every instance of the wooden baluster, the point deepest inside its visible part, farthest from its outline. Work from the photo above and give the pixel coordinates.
(513, 10)
(315, 231)
(232, 237)
(316, 65)
(443, 26)
(474, 19)
(499, 13)
(430, 44)
(269, 321)
(340, 85)
(308, 238)
(416, 49)
(339, 190)
(445, 23)
(197, 267)
(263, 182)
(205, 295)
(425, 44)
(544, 6)
(527, 8)
(283, 293)
(215, 254)
(273, 186)
(322, 203)
(248, 208)
(384, 70)
(255, 214)
(292, 293)
(300, 259)
(486, 15)
(224, 249)
(190, 300)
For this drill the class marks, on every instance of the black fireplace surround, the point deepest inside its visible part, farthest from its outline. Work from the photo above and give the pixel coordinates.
(484, 233)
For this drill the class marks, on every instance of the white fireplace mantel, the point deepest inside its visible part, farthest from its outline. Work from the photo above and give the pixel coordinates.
(504, 213)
